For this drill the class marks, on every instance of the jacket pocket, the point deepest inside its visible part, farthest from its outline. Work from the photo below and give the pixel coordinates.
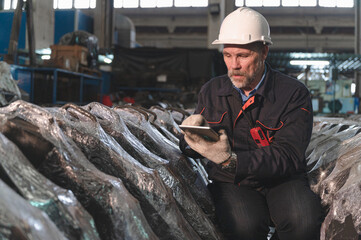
(213, 116)
(270, 127)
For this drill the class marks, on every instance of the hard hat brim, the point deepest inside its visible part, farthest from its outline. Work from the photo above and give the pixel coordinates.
(237, 41)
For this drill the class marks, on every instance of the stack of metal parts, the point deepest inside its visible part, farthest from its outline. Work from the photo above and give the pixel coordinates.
(9, 90)
(93, 172)
(334, 161)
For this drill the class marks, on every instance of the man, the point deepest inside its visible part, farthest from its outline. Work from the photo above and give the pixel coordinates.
(264, 120)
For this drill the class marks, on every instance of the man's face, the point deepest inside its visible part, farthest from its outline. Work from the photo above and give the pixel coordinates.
(245, 64)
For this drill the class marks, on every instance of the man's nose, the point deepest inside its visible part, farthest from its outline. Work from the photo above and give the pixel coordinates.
(234, 63)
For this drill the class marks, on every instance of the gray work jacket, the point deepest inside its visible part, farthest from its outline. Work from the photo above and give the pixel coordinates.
(281, 107)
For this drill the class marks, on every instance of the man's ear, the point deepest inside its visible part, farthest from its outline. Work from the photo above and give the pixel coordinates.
(265, 50)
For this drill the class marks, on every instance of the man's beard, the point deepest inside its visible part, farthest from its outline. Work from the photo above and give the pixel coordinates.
(246, 83)
(249, 79)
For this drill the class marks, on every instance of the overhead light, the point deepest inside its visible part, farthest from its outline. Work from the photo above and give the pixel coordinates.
(107, 60)
(319, 63)
(45, 57)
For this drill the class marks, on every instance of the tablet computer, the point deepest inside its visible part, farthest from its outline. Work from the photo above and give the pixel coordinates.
(206, 132)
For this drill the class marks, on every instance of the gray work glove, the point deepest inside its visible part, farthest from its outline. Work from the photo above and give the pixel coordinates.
(217, 152)
(195, 120)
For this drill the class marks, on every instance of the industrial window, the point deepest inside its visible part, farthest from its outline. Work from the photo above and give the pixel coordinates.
(10, 4)
(191, 3)
(58, 4)
(67, 4)
(336, 3)
(159, 3)
(295, 3)
(308, 3)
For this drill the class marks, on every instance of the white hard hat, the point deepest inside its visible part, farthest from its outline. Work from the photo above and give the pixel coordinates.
(243, 26)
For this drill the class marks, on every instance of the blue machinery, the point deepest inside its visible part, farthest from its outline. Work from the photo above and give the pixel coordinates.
(83, 88)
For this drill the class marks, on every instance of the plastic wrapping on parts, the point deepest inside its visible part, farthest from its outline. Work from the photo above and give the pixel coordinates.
(20, 220)
(113, 125)
(143, 183)
(59, 204)
(94, 172)
(9, 90)
(334, 161)
(116, 212)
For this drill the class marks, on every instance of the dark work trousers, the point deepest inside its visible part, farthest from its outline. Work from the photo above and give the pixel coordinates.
(244, 213)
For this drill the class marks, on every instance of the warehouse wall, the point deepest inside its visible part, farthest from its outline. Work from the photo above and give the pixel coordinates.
(293, 29)
(48, 30)
(43, 30)
(71, 20)
(6, 19)
(296, 29)
(43, 23)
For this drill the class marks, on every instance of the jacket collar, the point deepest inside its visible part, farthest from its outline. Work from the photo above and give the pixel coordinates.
(266, 89)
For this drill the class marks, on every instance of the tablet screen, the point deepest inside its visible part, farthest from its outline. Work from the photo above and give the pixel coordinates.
(206, 132)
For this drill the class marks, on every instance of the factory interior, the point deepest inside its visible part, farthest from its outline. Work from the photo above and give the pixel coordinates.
(92, 93)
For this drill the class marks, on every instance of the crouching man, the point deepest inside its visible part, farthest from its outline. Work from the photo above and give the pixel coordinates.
(264, 120)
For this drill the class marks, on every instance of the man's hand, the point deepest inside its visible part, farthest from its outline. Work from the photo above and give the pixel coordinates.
(195, 120)
(217, 152)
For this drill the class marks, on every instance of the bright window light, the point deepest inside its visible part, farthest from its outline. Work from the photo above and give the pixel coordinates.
(308, 3)
(271, 3)
(7, 4)
(130, 3)
(148, 3)
(353, 88)
(43, 51)
(93, 3)
(239, 3)
(182, 3)
(254, 3)
(199, 3)
(55, 4)
(118, 3)
(81, 4)
(318, 63)
(65, 4)
(290, 3)
(327, 3)
(165, 3)
(345, 3)
(14, 3)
